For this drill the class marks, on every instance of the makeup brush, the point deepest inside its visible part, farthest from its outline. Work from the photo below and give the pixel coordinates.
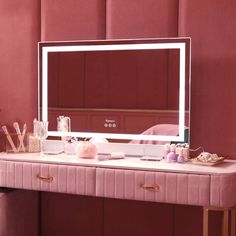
(22, 137)
(4, 128)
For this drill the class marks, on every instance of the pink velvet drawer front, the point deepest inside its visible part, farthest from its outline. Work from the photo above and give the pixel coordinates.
(48, 177)
(223, 190)
(190, 189)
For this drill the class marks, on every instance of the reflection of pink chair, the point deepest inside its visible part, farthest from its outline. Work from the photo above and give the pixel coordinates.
(160, 129)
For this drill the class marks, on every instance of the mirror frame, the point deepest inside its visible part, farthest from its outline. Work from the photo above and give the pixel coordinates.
(183, 44)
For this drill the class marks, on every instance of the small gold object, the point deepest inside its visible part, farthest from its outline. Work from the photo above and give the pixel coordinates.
(154, 187)
(45, 178)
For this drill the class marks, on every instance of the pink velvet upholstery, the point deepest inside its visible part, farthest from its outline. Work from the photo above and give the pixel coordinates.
(223, 191)
(141, 18)
(66, 179)
(174, 188)
(20, 32)
(210, 25)
(73, 19)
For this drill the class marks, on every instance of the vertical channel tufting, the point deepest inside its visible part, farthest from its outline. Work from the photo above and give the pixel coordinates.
(36, 176)
(182, 188)
(193, 189)
(129, 184)
(10, 174)
(71, 177)
(160, 179)
(3, 171)
(109, 178)
(90, 180)
(119, 186)
(18, 174)
(173, 187)
(149, 180)
(35, 180)
(53, 171)
(204, 195)
(223, 190)
(44, 171)
(100, 182)
(62, 179)
(27, 176)
(139, 179)
(80, 180)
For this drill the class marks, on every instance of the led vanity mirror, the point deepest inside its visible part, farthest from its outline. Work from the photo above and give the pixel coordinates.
(132, 91)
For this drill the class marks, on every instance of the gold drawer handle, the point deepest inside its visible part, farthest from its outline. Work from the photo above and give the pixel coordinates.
(154, 187)
(45, 178)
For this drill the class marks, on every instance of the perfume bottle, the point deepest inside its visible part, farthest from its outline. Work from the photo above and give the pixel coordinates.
(70, 146)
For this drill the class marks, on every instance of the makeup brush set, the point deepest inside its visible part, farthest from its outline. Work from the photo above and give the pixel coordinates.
(16, 141)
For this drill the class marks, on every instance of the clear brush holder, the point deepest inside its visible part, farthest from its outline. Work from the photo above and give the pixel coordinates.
(16, 144)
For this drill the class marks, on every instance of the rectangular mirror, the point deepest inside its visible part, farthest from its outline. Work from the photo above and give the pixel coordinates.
(133, 91)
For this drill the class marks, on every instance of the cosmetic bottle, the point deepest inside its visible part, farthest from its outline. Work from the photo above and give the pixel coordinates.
(171, 156)
(180, 157)
(70, 147)
(166, 149)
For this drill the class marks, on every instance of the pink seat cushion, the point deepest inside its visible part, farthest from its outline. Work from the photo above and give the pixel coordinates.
(160, 129)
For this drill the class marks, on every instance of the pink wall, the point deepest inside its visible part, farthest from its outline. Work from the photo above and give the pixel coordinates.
(20, 32)
(211, 26)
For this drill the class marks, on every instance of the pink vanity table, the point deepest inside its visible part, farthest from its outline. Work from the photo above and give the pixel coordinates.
(212, 187)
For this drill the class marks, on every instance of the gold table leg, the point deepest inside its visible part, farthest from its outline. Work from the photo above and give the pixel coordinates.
(205, 221)
(225, 220)
(233, 222)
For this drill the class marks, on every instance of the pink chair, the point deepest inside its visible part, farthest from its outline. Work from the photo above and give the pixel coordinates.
(160, 129)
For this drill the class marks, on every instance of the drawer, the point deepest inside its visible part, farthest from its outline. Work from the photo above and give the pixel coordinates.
(48, 177)
(223, 192)
(163, 187)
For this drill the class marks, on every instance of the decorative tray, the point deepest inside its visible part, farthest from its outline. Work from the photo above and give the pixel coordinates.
(207, 163)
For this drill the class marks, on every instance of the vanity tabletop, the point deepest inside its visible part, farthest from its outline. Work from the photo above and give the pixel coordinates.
(134, 163)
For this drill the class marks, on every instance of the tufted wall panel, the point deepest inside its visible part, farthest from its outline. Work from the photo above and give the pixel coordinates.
(211, 24)
(213, 101)
(20, 32)
(73, 19)
(141, 18)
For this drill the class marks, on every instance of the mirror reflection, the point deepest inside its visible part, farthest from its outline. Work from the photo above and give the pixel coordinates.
(118, 91)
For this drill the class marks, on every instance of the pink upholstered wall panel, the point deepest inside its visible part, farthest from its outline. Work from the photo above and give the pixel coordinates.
(20, 32)
(213, 115)
(141, 18)
(73, 19)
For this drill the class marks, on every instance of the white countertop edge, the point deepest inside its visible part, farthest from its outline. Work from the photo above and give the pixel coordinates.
(227, 167)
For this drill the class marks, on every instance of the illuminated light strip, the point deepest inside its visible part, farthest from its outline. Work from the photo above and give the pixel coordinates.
(180, 46)
(114, 136)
